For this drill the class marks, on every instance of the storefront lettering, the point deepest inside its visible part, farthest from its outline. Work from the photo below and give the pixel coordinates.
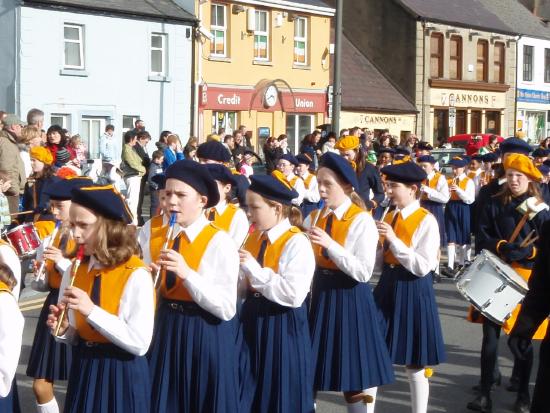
(379, 119)
(233, 100)
(303, 103)
(465, 99)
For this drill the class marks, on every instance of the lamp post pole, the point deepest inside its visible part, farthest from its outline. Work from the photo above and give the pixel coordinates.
(336, 82)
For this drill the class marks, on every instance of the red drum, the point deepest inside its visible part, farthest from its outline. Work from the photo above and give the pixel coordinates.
(24, 239)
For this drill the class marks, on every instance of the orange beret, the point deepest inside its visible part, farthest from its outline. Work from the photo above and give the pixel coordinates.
(347, 143)
(523, 164)
(41, 154)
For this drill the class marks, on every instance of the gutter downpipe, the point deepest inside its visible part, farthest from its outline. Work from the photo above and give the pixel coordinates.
(423, 109)
(197, 46)
(337, 82)
(517, 84)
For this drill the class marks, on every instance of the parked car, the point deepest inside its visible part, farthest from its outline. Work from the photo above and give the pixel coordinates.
(443, 157)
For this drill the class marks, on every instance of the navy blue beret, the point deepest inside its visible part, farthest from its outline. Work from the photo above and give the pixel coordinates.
(62, 190)
(273, 189)
(477, 157)
(515, 145)
(214, 151)
(290, 158)
(304, 158)
(426, 158)
(544, 169)
(424, 146)
(341, 167)
(406, 172)
(401, 150)
(221, 173)
(104, 201)
(459, 161)
(490, 157)
(160, 180)
(386, 149)
(197, 177)
(540, 153)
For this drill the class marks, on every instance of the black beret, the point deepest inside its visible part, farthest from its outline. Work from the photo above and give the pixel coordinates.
(459, 161)
(515, 145)
(425, 146)
(160, 180)
(386, 149)
(196, 176)
(426, 158)
(304, 159)
(290, 158)
(273, 189)
(540, 153)
(214, 151)
(490, 157)
(341, 167)
(477, 157)
(221, 173)
(62, 190)
(401, 150)
(103, 200)
(406, 172)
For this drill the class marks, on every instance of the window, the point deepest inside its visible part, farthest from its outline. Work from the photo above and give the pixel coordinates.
(482, 74)
(91, 129)
(546, 65)
(218, 29)
(298, 126)
(436, 56)
(300, 41)
(498, 62)
(261, 35)
(455, 64)
(158, 54)
(60, 119)
(128, 122)
(528, 63)
(225, 120)
(73, 38)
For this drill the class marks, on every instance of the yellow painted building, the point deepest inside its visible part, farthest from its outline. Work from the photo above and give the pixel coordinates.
(262, 64)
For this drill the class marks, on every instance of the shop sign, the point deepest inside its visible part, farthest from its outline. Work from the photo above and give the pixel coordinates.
(534, 96)
(467, 98)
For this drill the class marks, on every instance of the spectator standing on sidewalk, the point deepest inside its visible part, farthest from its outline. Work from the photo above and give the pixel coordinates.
(155, 169)
(133, 170)
(11, 160)
(173, 151)
(141, 149)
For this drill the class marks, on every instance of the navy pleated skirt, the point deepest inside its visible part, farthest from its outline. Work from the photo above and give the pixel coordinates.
(308, 206)
(107, 379)
(10, 403)
(48, 359)
(457, 222)
(349, 350)
(192, 361)
(277, 344)
(412, 326)
(436, 209)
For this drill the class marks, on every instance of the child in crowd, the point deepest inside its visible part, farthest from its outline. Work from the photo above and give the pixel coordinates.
(155, 169)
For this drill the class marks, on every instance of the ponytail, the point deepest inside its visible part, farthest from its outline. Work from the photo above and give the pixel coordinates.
(357, 200)
(295, 217)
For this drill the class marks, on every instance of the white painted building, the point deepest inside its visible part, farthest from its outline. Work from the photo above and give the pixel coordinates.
(88, 63)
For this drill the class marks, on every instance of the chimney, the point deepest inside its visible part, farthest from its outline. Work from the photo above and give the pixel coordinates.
(542, 9)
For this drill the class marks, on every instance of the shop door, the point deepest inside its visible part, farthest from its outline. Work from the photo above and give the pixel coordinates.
(441, 124)
(297, 127)
(475, 124)
(91, 129)
(224, 120)
(460, 126)
(535, 126)
(492, 122)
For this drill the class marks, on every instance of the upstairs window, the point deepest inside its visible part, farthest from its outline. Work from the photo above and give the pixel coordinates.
(498, 62)
(528, 63)
(73, 38)
(436, 56)
(300, 41)
(261, 35)
(482, 74)
(546, 65)
(218, 28)
(455, 64)
(158, 54)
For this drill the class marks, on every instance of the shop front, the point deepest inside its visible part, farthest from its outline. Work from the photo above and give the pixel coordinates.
(533, 114)
(399, 125)
(267, 110)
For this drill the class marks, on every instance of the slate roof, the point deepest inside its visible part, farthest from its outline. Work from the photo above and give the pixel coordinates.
(159, 9)
(464, 13)
(364, 87)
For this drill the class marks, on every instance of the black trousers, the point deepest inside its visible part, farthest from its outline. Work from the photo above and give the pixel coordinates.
(141, 196)
(541, 397)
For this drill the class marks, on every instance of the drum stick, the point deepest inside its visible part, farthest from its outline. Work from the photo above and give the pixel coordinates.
(22, 213)
(41, 271)
(531, 241)
(527, 239)
(519, 226)
(74, 270)
(165, 246)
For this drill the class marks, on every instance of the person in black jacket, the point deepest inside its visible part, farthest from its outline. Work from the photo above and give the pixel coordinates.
(141, 149)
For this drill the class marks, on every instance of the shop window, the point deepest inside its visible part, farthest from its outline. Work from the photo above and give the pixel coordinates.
(441, 124)
(482, 58)
(460, 122)
(261, 35)
(91, 129)
(218, 29)
(527, 63)
(492, 122)
(498, 62)
(73, 38)
(61, 119)
(129, 122)
(297, 127)
(455, 66)
(224, 120)
(436, 55)
(546, 65)
(158, 54)
(300, 41)
(475, 121)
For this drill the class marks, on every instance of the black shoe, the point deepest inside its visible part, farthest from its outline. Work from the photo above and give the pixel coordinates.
(513, 386)
(481, 404)
(436, 278)
(522, 405)
(448, 272)
(497, 382)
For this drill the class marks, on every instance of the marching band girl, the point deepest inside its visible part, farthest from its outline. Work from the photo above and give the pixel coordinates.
(278, 263)
(405, 293)
(50, 361)
(348, 345)
(475, 171)
(285, 167)
(43, 175)
(226, 215)
(311, 197)
(11, 337)
(192, 357)
(110, 298)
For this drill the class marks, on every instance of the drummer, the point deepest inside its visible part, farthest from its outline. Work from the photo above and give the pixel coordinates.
(497, 222)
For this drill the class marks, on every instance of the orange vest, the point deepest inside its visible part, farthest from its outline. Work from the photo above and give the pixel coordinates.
(307, 181)
(338, 233)
(54, 277)
(4, 287)
(224, 220)
(462, 185)
(273, 251)
(113, 282)
(431, 183)
(472, 174)
(157, 237)
(44, 228)
(293, 180)
(404, 230)
(192, 252)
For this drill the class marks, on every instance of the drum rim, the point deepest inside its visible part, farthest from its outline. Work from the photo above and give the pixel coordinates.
(524, 288)
(483, 312)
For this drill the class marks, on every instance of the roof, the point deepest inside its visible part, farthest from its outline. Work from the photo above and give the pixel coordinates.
(515, 14)
(466, 13)
(365, 88)
(158, 9)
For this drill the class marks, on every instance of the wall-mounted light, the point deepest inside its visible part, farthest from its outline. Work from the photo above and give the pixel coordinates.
(250, 19)
(278, 20)
(450, 32)
(237, 8)
(495, 38)
(292, 17)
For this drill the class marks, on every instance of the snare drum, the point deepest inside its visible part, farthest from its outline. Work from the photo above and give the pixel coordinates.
(24, 239)
(491, 286)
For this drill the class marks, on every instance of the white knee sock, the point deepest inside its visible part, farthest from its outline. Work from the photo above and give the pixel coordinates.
(461, 253)
(420, 390)
(50, 407)
(468, 254)
(371, 392)
(451, 256)
(362, 407)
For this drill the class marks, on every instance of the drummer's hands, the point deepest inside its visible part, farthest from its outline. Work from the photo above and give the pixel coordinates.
(244, 256)
(319, 237)
(173, 261)
(78, 300)
(512, 251)
(53, 318)
(385, 230)
(520, 346)
(52, 253)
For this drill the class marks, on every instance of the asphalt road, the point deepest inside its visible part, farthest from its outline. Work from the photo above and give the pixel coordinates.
(450, 386)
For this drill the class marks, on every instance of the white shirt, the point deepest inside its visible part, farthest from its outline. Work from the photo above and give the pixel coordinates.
(477, 179)
(62, 265)
(214, 286)
(467, 196)
(289, 286)
(26, 158)
(299, 187)
(10, 258)
(312, 193)
(441, 191)
(132, 328)
(422, 256)
(239, 225)
(11, 336)
(357, 256)
(144, 238)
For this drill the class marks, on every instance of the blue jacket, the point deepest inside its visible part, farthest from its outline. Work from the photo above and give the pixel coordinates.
(170, 157)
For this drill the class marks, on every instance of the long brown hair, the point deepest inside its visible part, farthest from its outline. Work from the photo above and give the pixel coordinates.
(505, 195)
(360, 160)
(7, 277)
(116, 242)
(294, 214)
